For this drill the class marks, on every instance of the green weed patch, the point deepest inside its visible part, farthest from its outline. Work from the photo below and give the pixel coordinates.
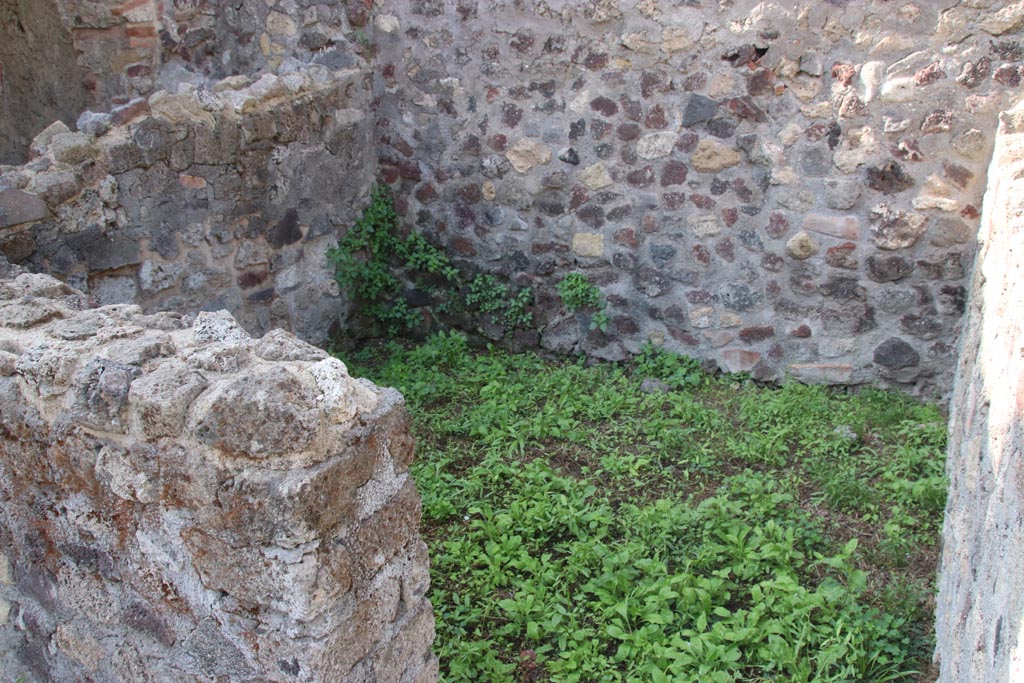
(588, 526)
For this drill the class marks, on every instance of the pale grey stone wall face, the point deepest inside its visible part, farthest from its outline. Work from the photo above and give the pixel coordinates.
(179, 501)
(980, 609)
(776, 187)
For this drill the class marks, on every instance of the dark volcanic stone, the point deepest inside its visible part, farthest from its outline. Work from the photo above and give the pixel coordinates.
(757, 333)
(894, 353)
(921, 326)
(662, 254)
(929, 74)
(722, 127)
(973, 73)
(777, 225)
(687, 142)
(889, 179)
(604, 106)
(511, 115)
(106, 252)
(939, 121)
(656, 118)
(596, 61)
(591, 215)
(695, 81)
(888, 268)
(1008, 75)
(751, 240)
(698, 109)
(844, 289)
(674, 200)
(739, 297)
(631, 108)
(745, 108)
(726, 249)
(599, 128)
(620, 212)
(628, 131)
(642, 177)
(651, 282)
(761, 82)
(653, 82)
(569, 156)
(673, 173)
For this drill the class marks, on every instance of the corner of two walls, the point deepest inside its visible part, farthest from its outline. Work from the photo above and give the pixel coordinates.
(779, 190)
(784, 189)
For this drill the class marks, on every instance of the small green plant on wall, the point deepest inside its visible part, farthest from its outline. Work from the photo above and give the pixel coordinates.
(498, 304)
(578, 293)
(373, 261)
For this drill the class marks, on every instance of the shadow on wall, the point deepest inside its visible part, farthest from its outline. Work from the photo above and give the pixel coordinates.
(981, 585)
(39, 76)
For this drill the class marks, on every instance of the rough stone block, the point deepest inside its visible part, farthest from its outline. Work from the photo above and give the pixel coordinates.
(821, 373)
(17, 207)
(588, 244)
(202, 477)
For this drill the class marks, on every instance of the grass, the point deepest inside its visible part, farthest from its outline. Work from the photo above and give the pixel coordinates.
(588, 526)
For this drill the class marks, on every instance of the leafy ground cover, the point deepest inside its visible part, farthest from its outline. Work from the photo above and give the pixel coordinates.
(646, 522)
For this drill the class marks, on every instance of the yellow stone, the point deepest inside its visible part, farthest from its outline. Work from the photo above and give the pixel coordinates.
(588, 244)
(526, 154)
(727, 319)
(711, 157)
(279, 24)
(596, 177)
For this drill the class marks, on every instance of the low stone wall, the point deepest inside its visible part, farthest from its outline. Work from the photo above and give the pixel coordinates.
(179, 501)
(980, 610)
(226, 196)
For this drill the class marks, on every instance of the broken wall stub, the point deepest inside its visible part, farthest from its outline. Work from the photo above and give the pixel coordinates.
(226, 196)
(179, 501)
(980, 605)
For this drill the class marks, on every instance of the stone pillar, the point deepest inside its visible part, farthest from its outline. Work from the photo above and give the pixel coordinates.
(181, 502)
(980, 610)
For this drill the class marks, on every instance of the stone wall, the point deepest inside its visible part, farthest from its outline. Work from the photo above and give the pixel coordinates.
(181, 502)
(39, 81)
(222, 196)
(779, 187)
(980, 610)
(129, 48)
